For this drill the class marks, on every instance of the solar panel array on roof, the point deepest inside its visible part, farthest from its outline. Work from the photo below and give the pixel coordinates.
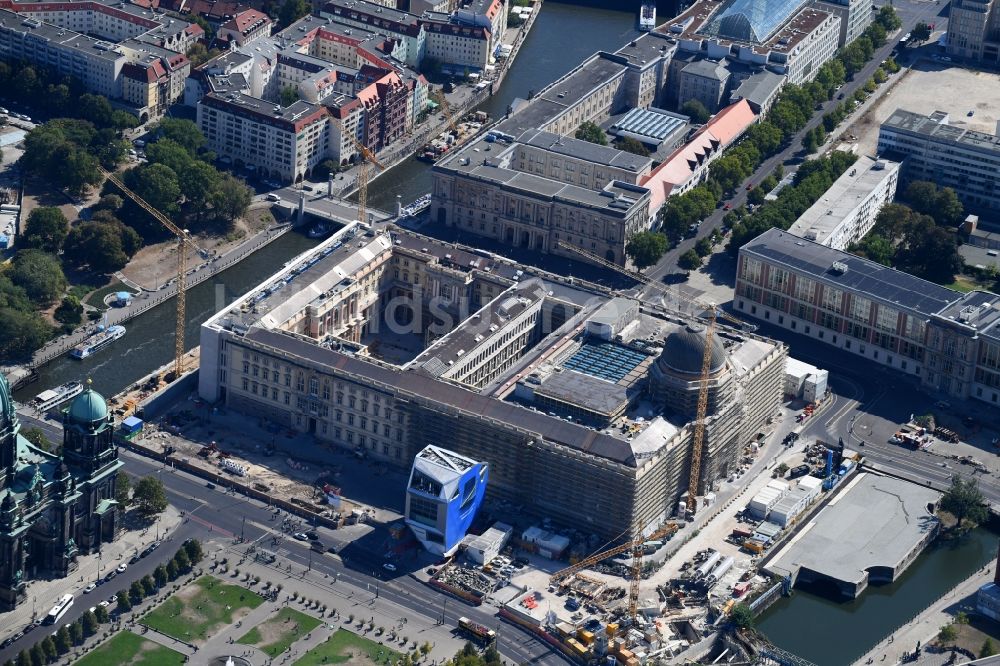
(605, 360)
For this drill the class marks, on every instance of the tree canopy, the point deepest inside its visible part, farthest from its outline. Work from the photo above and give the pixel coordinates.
(588, 131)
(634, 146)
(696, 111)
(183, 132)
(965, 501)
(645, 248)
(291, 11)
(150, 496)
(104, 245)
(942, 203)
(912, 242)
(45, 229)
(39, 274)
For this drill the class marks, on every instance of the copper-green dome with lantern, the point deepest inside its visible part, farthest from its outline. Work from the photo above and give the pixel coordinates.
(88, 409)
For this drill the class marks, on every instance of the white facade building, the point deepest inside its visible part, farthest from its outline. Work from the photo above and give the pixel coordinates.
(847, 211)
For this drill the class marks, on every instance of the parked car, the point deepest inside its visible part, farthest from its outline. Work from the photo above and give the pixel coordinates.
(90, 588)
(389, 566)
(313, 535)
(300, 536)
(121, 568)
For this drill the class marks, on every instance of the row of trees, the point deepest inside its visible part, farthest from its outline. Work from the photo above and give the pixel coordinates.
(186, 557)
(54, 94)
(52, 648)
(789, 114)
(811, 181)
(917, 238)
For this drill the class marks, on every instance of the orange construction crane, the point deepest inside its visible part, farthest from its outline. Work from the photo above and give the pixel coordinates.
(184, 240)
(698, 441)
(635, 546)
(368, 160)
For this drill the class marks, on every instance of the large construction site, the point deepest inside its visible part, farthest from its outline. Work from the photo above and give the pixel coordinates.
(383, 342)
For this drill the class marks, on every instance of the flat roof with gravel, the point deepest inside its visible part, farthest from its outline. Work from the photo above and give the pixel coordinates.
(876, 522)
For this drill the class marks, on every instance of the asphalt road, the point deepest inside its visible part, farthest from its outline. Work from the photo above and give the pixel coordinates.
(869, 403)
(910, 12)
(210, 513)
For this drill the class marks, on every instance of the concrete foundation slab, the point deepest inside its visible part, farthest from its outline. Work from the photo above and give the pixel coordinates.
(870, 531)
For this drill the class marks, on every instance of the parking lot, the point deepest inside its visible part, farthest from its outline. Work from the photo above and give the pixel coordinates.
(957, 91)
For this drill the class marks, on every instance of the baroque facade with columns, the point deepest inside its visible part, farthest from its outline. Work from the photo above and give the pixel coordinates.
(54, 507)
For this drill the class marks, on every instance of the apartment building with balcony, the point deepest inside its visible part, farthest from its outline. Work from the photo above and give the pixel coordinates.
(131, 55)
(284, 143)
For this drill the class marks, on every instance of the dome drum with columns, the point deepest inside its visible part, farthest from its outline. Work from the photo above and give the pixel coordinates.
(55, 507)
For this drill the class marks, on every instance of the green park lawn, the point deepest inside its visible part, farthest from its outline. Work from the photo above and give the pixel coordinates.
(346, 646)
(197, 610)
(279, 631)
(128, 648)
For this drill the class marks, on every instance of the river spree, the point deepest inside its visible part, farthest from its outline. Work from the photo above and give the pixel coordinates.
(829, 633)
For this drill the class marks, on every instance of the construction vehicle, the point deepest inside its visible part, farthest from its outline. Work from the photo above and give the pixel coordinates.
(706, 366)
(184, 241)
(635, 547)
(477, 631)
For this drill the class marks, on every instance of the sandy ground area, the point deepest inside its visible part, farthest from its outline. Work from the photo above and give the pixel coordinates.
(956, 92)
(155, 265)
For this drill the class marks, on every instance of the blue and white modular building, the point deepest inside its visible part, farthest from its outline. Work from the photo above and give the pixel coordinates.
(442, 497)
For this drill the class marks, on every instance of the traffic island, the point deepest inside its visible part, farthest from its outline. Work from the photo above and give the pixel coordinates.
(197, 611)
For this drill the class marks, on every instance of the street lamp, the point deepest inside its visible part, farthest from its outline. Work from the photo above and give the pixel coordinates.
(98, 567)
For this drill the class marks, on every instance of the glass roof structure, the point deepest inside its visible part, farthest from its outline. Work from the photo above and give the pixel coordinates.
(753, 21)
(605, 360)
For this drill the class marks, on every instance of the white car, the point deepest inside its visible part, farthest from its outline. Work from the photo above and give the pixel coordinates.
(104, 604)
(389, 566)
(90, 588)
(122, 567)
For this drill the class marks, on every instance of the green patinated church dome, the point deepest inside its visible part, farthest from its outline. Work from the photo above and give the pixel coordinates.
(88, 407)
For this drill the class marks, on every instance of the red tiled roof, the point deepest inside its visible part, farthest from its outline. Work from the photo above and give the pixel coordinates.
(724, 128)
(243, 21)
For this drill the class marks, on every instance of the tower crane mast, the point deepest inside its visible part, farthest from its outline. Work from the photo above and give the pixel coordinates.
(184, 240)
(701, 414)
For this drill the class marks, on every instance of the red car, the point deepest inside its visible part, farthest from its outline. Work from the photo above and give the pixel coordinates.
(749, 186)
(727, 206)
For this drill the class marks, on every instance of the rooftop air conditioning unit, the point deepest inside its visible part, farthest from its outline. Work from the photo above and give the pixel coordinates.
(838, 268)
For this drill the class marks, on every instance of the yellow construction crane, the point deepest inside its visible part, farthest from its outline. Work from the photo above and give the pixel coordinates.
(184, 240)
(443, 103)
(698, 441)
(368, 160)
(635, 546)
